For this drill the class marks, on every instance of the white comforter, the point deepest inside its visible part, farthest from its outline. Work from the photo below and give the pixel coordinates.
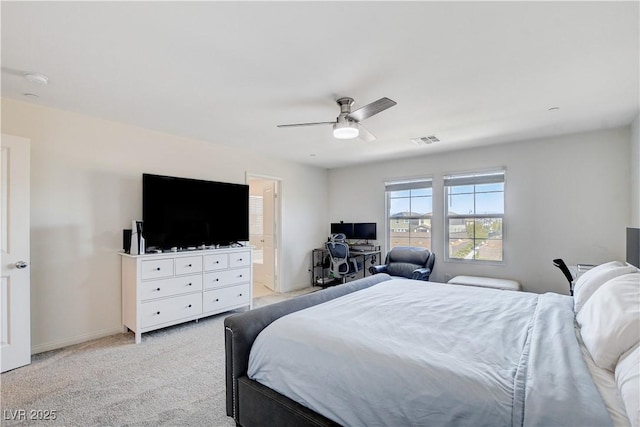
(405, 352)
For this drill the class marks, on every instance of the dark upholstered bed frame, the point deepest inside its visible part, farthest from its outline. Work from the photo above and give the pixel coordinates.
(251, 403)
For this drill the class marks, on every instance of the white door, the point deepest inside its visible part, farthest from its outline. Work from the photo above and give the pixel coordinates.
(264, 224)
(256, 228)
(15, 300)
(268, 247)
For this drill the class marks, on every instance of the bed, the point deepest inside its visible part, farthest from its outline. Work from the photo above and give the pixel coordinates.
(381, 351)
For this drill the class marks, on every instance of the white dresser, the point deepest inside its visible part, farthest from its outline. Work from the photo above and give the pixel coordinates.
(160, 290)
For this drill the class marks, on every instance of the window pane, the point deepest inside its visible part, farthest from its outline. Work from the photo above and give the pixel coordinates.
(399, 227)
(457, 228)
(398, 241)
(398, 206)
(421, 235)
(409, 217)
(420, 205)
(471, 236)
(488, 239)
(423, 225)
(461, 248)
(461, 204)
(421, 192)
(461, 189)
(401, 193)
(489, 203)
(483, 188)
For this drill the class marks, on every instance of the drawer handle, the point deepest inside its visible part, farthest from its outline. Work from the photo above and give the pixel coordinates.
(157, 268)
(189, 265)
(240, 275)
(157, 289)
(217, 280)
(217, 262)
(240, 259)
(240, 295)
(188, 284)
(217, 300)
(189, 305)
(157, 312)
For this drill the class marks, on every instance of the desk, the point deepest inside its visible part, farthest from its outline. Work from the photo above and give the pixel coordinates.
(320, 262)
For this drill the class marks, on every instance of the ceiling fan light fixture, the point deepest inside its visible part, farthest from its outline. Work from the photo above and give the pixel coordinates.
(345, 130)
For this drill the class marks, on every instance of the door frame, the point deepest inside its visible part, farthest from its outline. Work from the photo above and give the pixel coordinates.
(277, 217)
(16, 326)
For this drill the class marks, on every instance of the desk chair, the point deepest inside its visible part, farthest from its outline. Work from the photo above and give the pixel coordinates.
(565, 270)
(342, 265)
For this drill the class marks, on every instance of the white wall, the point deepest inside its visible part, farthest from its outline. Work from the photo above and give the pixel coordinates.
(635, 173)
(566, 197)
(87, 187)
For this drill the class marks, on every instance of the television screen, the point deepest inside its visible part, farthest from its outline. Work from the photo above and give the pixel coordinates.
(184, 213)
(345, 228)
(364, 230)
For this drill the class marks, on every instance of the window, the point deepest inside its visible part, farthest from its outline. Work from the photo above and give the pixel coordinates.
(475, 215)
(409, 213)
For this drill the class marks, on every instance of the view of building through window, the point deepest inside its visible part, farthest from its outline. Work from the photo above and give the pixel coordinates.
(474, 214)
(409, 215)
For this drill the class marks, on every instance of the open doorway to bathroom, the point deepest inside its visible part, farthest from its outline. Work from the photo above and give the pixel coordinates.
(264, 232)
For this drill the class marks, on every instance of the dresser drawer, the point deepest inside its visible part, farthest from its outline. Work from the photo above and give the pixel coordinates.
(239, 259)
(218, 299)
(225, 278)
(216, 262)
(156, 269)
(170, 309)
(166, 287)
(188, 265)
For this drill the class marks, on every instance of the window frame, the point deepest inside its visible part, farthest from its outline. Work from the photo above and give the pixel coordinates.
(492, 176)
(406, 184)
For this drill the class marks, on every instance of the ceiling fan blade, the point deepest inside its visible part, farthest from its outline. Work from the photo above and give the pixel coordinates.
(370, 109)
(306, 124)
(364, 134)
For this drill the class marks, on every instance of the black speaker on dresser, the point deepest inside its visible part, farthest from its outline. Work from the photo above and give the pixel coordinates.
(126, 241)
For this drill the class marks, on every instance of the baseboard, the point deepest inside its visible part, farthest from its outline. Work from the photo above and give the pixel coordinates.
(54, 345)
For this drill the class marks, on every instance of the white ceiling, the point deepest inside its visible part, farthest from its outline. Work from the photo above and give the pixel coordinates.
(471, 73)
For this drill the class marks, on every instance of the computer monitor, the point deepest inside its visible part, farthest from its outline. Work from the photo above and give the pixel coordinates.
(364, 231)
(345, 228)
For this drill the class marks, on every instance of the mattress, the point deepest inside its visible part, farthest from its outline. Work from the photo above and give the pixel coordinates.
(407, 352)
(606, 384)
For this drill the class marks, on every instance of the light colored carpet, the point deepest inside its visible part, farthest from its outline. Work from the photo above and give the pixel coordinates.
(175, 377)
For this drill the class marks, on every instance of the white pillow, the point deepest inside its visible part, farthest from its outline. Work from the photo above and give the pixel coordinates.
(610, 320)
(592, 279)
(628, 382)
(592, 271)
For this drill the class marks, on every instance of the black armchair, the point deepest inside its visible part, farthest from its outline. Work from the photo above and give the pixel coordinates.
(407, 261)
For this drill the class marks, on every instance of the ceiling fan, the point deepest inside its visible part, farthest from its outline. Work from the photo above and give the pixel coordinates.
(347, 124)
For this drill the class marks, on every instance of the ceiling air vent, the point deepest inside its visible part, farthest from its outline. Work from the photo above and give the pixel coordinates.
(424, 140)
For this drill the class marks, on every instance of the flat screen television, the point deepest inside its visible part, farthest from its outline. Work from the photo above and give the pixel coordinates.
(364, 231)
(345, 228)
(187, 213)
